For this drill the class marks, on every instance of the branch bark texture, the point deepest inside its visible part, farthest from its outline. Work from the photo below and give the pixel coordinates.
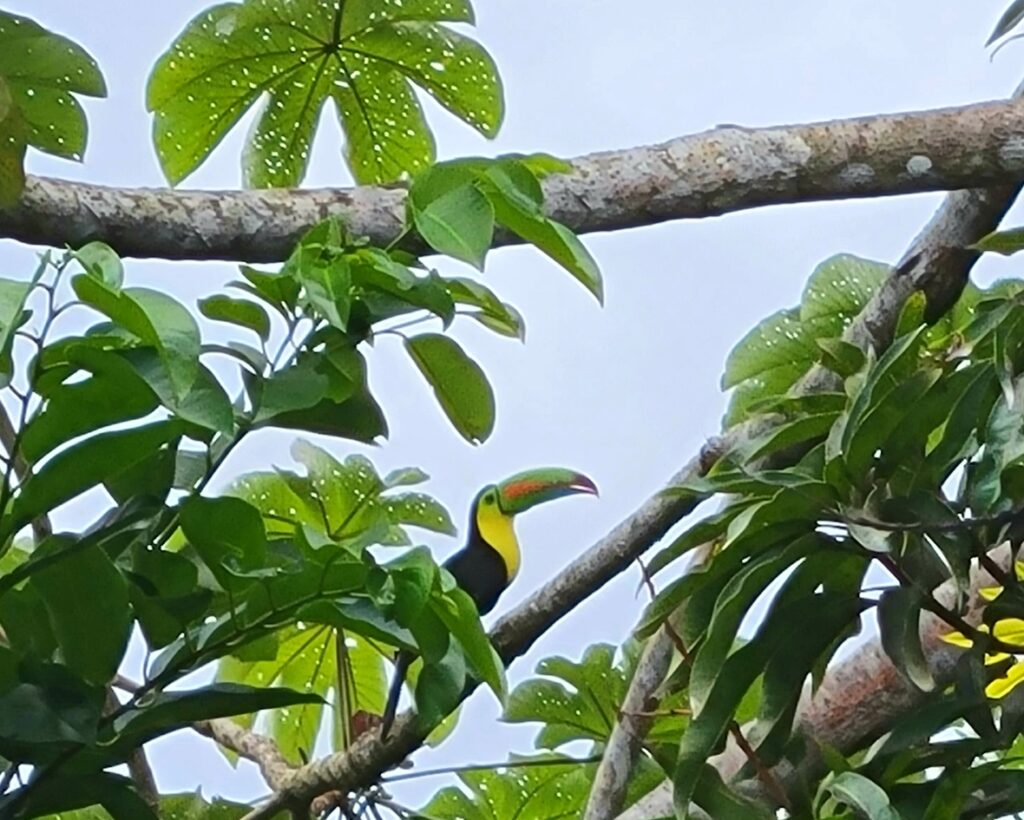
(726, 169)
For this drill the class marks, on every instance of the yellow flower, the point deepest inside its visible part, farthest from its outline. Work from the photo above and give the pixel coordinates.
(1008, 631)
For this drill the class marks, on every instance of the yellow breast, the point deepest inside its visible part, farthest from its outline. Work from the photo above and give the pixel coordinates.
(496, 529)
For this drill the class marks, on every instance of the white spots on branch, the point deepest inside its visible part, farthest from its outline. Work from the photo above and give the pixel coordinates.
(919, 165)
(857, 174)
(1011, 154)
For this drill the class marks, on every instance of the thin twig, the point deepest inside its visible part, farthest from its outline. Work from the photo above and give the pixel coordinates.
(483, 767)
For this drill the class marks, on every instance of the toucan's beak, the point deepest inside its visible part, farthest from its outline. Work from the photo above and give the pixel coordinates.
(532, 487)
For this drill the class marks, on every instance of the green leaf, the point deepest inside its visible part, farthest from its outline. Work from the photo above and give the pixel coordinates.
(42, 72)
(228, 534)
(240, 312)
(112, 393)
(458, 223)
(1011, 17)
(165, 712)
(165, 594)
(48, 712)
(899, 623)
(13, 147)
(574, 700)
(85, 465)
(156, 319)
(63, 797)
(299, 55)
(555, 240)
(303, 659)
(460, 385)
(101, 262)
(772, 357)
(13, 296)
(814, 618)
(731, 608)
(92, 620)
(458, 613)
(1006, 242)
(862, 794)
(494, 314)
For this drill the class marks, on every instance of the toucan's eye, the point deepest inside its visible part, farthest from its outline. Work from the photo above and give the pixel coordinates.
(488, 499)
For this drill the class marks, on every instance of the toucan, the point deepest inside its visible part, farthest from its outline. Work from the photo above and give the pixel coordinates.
(489, 561)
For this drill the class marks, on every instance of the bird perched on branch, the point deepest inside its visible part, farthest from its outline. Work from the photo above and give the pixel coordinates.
(489, 562)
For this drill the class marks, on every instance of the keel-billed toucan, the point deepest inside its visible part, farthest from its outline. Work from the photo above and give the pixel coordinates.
(490, 560)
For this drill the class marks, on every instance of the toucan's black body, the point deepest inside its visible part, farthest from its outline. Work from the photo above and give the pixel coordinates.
(479, 570)
(488, 562)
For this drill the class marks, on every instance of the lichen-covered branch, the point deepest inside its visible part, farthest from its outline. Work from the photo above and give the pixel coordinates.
(726, 169)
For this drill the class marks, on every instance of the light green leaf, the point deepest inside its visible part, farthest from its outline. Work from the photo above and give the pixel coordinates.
(460, 385)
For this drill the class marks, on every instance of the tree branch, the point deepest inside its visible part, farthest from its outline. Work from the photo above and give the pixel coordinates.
(715, 172)
(932, 267)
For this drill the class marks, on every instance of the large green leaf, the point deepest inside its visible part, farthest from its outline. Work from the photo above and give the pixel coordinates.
(40, 73)
(85, 465)
(87, 602)
(156, 319)
(300, 54)
(574, 701)
(460, 385)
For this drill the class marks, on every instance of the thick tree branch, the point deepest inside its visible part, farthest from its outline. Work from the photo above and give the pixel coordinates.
(715, 172)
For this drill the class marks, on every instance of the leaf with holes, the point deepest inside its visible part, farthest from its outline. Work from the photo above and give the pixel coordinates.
(775, 354)
(365, 56)
(574, 700)
(40, 74)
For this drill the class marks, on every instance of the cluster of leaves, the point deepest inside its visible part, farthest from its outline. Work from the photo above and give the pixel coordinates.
(916, 466)
(574, 702)
(276, 580)
(40, 72)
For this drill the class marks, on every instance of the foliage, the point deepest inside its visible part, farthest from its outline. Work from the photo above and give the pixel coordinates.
(40, 72)
(280, 581)
(573, 702)
(364, 56)
(915, 467)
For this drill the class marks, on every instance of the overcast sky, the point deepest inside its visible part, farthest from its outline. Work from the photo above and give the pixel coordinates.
(628, 392)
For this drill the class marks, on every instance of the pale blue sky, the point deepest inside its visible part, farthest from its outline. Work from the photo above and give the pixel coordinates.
(626, 393)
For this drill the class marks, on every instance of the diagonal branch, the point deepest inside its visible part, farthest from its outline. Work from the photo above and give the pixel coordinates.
(940, 268)
(719, 171)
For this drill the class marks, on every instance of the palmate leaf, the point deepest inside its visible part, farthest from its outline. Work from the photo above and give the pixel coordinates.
(304, 657)
(364, 55)
(770, 359)
(41, 72)
(575, 701)
(339, 499)
(551, 790)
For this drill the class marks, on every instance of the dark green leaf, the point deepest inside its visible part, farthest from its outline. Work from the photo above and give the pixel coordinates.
(85, 465)
(228, 534)
(458, 613)
(87, 602)
(156, 319)
(899, 622)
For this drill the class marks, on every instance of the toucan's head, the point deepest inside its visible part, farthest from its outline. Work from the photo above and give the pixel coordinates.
(524, 490)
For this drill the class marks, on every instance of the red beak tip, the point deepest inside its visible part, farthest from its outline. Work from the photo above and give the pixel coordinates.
(586, 485)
